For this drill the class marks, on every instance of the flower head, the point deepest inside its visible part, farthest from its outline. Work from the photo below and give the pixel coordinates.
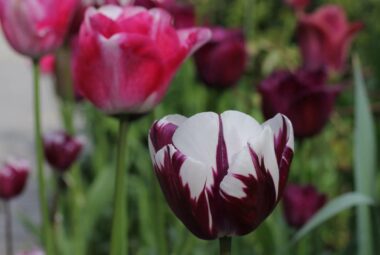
(221, 62)
(221, 174)
(128, 56)
(325, 37)
(301, 203)
(61, 150)
(13, 177)
(303, 96)
(36, 27)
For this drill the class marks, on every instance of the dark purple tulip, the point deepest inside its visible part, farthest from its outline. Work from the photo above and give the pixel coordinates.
(221, 62)
(301, 203)
(325, 37)
(13, 177)
(221, 174)
(149, 4)
(297, 4)
(303, 96)
(183, 14)
(61, 150)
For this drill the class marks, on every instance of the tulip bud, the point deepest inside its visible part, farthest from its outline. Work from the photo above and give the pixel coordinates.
(128, 56)
(13, 177)
(221, 174)
(301, 203)
(35, 28)
(325, 37)
(221, 62)
(61, 150)
(303, 96)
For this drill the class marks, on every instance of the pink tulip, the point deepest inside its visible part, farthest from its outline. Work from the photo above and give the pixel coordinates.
(36, 27)
(13, 177)
(31, 252)
(325, 37)
(128, 56)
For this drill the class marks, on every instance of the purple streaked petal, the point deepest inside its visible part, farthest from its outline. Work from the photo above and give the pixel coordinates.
(284, 145)
(263, 148)
(180, 179)
(162, 131)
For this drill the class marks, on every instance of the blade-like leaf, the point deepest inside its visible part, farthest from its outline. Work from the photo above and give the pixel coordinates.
(364, 160)
(330, 210)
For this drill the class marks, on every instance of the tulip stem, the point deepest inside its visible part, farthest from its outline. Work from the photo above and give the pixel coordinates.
(225, 245)
(46, 230)
(8, 228)
(119, 223)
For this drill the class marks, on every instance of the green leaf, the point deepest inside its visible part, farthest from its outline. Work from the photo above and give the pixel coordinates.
(364, 160)
(330, 210)
(99, 196)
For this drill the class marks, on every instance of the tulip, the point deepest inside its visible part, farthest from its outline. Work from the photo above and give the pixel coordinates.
(301, 203)
(148, 4)
(35, 28)
(222, 175)
(302, 96)
(325, 37)
(221, 62)
(297, 4)
(61, 150)
(127, 57)
(13, 177)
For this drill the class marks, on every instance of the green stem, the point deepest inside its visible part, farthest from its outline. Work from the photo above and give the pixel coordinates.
(46, 229)
(119, 223)
(225, 245)
(8, 228)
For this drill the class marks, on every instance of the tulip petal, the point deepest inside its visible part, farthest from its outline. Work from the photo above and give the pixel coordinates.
(182, 180)
(197, 138)
(193, 38)
(162, 131)
(238, 128)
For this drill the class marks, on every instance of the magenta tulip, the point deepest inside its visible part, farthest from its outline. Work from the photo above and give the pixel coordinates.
(221, 62)
(221, 174)
(36, 27)
(303, 96)
(13, 177)
(128, 56)
(325, 37)
(61, 150)
(301, 203)
(47, 64)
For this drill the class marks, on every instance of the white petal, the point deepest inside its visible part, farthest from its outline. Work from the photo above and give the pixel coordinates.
(197, 138)
(238, 128)
(175, 119)
(241, 164)
(263, 146)
(276, 124)
(197, 176)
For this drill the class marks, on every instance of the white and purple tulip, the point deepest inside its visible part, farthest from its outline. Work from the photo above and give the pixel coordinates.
(221, 174)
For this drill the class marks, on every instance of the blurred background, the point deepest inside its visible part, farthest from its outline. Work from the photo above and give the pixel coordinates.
(323, 160)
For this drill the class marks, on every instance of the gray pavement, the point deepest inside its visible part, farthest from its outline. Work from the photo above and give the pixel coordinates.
(16, 133)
